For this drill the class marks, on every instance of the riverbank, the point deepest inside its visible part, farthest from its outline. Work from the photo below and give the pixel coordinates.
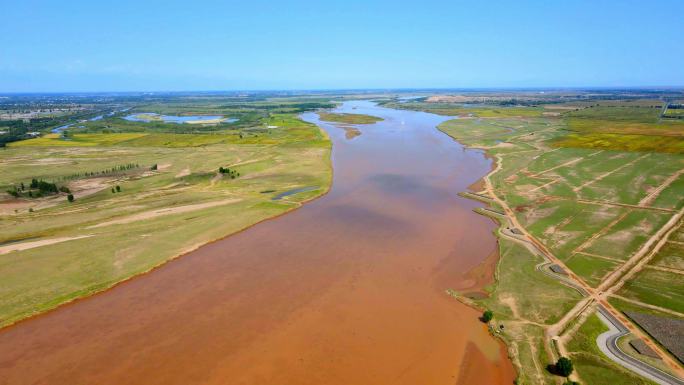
(158, 214)
(569, 201)
(315, 296)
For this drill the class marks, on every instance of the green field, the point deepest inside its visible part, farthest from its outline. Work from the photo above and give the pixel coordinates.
(623, 142)
(465, 110)
(181, 204)
(671, 255)
(622, 128)
(659, 288)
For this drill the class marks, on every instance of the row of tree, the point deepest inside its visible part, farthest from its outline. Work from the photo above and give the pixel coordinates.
(108, 171)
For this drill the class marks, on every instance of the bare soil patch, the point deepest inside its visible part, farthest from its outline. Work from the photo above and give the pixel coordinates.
(165, 211)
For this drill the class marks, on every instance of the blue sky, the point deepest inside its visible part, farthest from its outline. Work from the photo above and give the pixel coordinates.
(79, 45)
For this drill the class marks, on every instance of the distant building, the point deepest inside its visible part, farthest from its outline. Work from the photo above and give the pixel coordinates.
(33, 134)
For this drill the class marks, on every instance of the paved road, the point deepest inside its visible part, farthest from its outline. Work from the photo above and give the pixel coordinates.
(607, 342)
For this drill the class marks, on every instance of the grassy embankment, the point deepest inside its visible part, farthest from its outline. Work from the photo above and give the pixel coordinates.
(157, 215)
(588, 206)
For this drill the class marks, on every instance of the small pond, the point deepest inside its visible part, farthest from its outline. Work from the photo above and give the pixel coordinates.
(151, 117)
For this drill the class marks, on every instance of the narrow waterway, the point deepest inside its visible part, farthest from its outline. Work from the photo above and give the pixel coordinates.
(349, 289)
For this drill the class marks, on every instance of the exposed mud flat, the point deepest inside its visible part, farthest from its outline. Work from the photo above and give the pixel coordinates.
(349, 289)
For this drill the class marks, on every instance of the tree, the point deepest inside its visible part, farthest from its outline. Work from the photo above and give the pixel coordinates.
(70, 198)
(113, 191)
(564, 367)
(118, 188)
(154, 167)
(487, 316)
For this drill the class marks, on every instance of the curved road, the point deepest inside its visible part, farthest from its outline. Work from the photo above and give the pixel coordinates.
(607, 342)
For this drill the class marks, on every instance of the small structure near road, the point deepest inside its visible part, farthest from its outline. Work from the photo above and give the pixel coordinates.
(515, 231)
(640, 346)
(557, 269)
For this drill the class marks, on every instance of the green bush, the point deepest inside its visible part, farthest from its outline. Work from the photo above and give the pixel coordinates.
(564, 367)
(487, 316)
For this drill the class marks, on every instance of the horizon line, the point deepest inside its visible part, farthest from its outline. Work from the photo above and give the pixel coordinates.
(382, 89)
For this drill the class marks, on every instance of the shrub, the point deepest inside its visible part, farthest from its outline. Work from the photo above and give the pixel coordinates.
(70, 198)
(487, 316)
(563, 367)
(232, 173)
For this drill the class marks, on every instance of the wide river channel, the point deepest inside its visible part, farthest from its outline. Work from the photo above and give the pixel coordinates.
(350, 289)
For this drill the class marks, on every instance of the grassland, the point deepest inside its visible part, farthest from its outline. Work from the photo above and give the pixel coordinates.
(623, 142)
(623, 128)
(594, 207)
(161, 212)
(467, 110)
(349, 118)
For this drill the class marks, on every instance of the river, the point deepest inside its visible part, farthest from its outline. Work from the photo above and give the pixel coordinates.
(349, 289)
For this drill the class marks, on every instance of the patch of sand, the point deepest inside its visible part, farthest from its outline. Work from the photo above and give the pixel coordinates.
(504, 145)
(33, 244)
(165, 211)
(8, 207)
(183, 172)
(49, 161)
(85, 187)
(511, 302)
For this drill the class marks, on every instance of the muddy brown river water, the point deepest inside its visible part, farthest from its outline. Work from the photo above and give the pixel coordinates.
(348, 290)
